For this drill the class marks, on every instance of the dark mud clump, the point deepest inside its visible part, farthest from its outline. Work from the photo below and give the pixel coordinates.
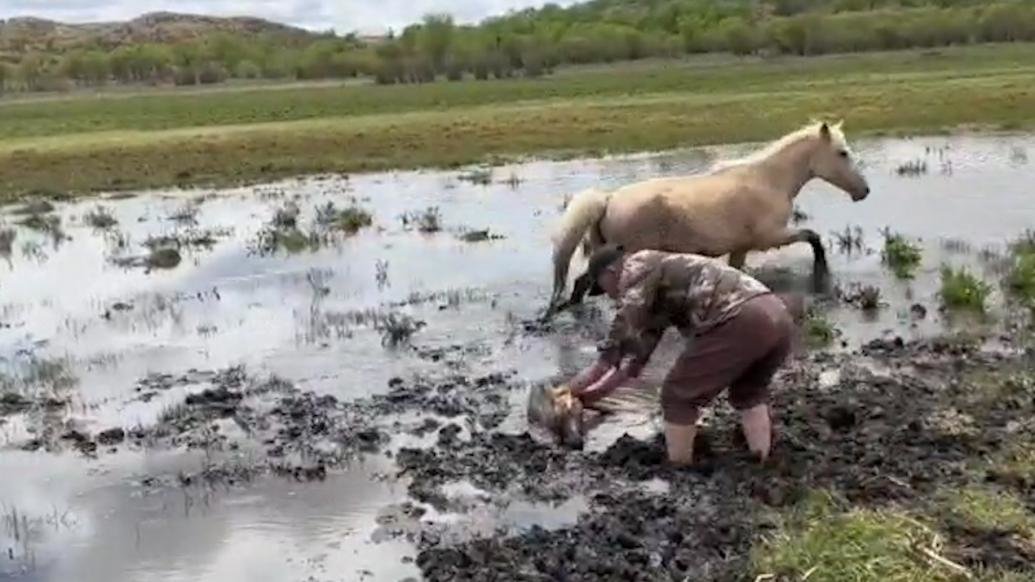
(112, 436)
(474, 236)
(219, 401)
(12, 403)
(163, 258)
(15, 403)
(492, 461)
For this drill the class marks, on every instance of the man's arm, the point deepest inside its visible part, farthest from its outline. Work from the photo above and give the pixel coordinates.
(589, 376)
(638, 289)
(649, 340)
(603, 387)
(616, 376)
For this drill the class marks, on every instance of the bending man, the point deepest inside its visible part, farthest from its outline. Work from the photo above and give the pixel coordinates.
(738, 335)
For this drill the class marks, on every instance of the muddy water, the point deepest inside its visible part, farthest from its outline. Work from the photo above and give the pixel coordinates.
(103, 323)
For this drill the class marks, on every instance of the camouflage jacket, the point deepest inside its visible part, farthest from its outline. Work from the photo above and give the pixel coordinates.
(658, 289)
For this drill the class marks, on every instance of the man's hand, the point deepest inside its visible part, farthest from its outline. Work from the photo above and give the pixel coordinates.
(602, 387)
(588, 376)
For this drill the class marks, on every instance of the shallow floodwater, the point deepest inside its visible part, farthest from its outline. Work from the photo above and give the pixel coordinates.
(83, 307)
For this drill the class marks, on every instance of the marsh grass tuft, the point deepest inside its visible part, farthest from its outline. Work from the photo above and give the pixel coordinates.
(962, 290)
(820, 332)
(850, 240)
(900, 255)
(290, 240)
(1021, 280)
(397, 329)
(427, 221)
(865, 297)
(187, 214)
(100, 218)
(1021, 277)
(7, 238)
(349, 220)
(286, 216)
(912, 168)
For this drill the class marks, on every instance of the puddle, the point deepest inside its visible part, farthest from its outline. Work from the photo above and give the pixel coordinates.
(473, 512)
(319, 312)
(100, 524)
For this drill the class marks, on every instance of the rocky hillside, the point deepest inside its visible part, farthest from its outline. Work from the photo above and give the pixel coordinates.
(27, 34)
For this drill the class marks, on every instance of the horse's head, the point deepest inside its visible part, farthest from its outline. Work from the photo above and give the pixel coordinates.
(834, 161)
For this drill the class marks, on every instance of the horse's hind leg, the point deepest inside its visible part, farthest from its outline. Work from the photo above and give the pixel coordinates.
(582, 286)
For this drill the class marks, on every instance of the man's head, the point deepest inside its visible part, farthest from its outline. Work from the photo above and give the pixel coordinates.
(604, 270)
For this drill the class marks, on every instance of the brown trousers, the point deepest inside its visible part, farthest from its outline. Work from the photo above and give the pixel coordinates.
(742, 354)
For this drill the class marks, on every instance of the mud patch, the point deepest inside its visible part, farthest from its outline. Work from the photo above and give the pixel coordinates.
(885, 433)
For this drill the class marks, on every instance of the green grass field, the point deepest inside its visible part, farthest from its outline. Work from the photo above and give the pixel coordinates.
(83, 143)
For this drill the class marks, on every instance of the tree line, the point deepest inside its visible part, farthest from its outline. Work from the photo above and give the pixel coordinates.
(533, 42)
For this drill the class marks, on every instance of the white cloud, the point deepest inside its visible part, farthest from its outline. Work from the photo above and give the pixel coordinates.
(342, 15)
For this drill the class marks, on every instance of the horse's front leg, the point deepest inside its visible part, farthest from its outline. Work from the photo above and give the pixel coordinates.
(820, 270)
(582, 286)
(806, 235)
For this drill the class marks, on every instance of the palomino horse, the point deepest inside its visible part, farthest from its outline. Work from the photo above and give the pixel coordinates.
(738, 207)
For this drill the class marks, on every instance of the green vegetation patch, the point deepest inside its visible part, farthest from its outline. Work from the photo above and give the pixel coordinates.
(822, 542)
(963, 290)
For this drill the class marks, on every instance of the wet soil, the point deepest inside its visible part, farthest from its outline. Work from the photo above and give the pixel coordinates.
(877, 438)
(888, 431)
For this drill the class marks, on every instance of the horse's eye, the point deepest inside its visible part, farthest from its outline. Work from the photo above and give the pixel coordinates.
(843, 153)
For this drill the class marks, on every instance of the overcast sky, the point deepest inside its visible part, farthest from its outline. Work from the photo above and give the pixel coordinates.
(342, 15)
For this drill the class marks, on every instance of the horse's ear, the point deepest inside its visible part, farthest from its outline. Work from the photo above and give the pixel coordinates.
(824, 131)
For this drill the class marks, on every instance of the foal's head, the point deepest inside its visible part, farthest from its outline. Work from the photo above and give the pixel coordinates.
(833, 161)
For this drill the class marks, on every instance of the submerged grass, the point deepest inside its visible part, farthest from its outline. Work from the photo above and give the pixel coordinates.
(163, 138)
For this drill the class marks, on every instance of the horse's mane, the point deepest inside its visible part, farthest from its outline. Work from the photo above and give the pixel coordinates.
(810, 130)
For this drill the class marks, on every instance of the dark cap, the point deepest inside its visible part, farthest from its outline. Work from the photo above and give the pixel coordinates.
(601, 259)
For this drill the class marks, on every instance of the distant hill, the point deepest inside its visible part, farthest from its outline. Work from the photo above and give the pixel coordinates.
(23, 34)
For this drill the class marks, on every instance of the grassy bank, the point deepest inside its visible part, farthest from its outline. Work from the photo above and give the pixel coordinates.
(91, 143)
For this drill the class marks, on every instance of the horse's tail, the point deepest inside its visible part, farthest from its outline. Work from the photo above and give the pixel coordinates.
(584, 211)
